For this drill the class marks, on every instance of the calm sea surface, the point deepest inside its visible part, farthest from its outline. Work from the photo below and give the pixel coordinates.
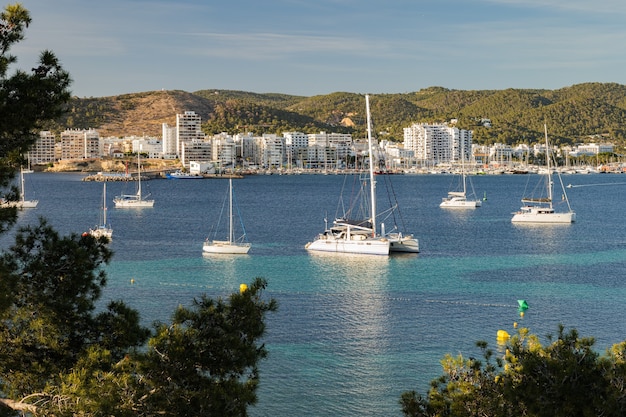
(352, 333)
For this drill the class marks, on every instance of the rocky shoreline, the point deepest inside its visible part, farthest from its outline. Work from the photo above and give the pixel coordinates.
(115, 166)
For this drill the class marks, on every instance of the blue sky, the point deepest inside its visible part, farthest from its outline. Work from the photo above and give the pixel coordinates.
(311, 47)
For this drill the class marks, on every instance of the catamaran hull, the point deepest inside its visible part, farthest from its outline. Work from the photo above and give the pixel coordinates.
(365, 247)
(544, 218)
(404, 244)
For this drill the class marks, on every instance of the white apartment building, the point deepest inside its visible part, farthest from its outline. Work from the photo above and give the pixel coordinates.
(437, 143)
(296, 140)
(247, 149)
(272, 150)
(197, 150)
(42, 151)
(152, 147)
(224, 150)
(188, 129)
(80, 144)
(501, 154)
(168, 135)
(330, 139)
(326, 149)
(296, 144)
(592, 149)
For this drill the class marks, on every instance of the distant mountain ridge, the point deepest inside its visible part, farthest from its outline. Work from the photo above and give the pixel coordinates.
(582, 112)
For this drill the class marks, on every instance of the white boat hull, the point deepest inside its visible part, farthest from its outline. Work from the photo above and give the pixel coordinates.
(132, 203)
(406, 244)
(225, 247)
(101, 231)
(367, 246)
(183, 176)
(462, 203)
(22, 204)
(543, 216)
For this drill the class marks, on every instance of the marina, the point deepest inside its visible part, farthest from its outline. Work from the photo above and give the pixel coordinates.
(353, 332)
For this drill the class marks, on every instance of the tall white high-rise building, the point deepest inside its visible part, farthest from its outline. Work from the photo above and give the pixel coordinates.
(188, 129)
(168, 134)
(272, 150)
(438, 143)
(223, 150)
(42, 151)
(80, 144)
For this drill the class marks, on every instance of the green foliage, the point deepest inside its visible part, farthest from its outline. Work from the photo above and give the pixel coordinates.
(62, 355)
(50, 286)
(564, 378)
(206, 361)
(28, 100)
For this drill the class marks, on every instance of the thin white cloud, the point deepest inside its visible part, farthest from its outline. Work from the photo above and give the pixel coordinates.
(263, 46)
(578, 6)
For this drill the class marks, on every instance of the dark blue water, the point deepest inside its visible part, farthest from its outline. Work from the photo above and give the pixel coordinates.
(352, 333)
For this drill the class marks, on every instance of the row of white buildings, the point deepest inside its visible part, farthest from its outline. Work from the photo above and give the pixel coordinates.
(424, 144)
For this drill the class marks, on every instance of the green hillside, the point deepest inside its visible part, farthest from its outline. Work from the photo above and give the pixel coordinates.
(580, 113)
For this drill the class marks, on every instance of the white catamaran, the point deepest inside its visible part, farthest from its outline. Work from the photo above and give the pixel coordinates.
(361, 236)
(136, 200)
(540, 209)
(231, 245)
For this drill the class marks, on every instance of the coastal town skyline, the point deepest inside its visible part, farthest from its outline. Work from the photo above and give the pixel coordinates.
(316, 48)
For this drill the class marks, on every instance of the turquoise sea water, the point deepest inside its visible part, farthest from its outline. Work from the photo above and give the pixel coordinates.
(353, 332)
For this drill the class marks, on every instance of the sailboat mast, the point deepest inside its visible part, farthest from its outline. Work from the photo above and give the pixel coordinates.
(138, 176)
(545, 129)
(22, 195)
(231, 236)
(104, 204)
(463, 172)
(372, 181)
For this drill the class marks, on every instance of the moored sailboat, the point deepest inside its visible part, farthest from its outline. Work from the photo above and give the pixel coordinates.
(232, 245)
(136, 200)
(540, 209)
(103, 228)
(361, 236)
(22, 203)
(461, 199)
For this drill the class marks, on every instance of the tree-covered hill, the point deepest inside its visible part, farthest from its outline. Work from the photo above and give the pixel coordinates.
(579, 113)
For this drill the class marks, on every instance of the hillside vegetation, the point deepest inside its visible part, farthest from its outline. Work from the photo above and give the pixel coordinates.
(580, 113)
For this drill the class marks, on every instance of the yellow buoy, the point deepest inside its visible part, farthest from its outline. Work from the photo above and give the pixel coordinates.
(243, 288)
(502, 336)
(132, 280)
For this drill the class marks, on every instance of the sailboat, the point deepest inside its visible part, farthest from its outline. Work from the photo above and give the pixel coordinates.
(540, 209)
(136, 200)
(232, 245)
(103, 229)
(22, 202)
(28, 170)
(459, 198)
(360, 236)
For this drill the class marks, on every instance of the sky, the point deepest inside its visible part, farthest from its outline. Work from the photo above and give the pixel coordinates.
(316, 47)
